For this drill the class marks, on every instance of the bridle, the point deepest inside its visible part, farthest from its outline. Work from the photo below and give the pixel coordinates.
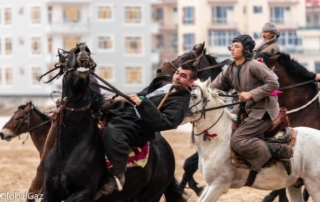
(195, 63)
(27, 119)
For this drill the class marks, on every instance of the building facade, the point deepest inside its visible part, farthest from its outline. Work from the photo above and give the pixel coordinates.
(117, 32)
(216, 22)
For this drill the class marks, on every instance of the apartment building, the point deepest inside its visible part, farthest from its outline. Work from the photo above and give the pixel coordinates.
(118, 32)
(216, 22)
(165, 23)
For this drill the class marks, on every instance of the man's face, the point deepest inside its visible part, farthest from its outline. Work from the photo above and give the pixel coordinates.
(237, 50)
(182, 77)
(267, 35)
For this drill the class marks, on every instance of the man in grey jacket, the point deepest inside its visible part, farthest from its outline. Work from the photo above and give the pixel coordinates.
(255, 82)
(270, 43)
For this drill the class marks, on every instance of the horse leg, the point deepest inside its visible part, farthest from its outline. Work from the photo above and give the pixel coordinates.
(80, 196)
(305, 195)
(49, 198)
(190, 167)
(313, 188)
(271, 196)
(295, 194)
(283, 195)
(213, 191)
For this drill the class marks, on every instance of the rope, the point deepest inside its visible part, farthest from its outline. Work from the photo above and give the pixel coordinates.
(304, 106)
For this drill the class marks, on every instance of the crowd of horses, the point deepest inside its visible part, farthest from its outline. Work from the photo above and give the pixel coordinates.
(78, 149)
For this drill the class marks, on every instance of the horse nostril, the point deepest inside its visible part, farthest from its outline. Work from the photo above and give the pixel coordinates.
(1, 135)
(159, 71)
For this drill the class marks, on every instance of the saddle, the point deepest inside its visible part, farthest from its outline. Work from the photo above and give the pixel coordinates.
(279, 133)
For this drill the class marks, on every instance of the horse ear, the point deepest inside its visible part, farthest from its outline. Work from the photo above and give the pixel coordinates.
(208, 82)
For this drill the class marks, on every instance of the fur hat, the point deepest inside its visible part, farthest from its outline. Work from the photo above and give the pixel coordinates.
(270, 27)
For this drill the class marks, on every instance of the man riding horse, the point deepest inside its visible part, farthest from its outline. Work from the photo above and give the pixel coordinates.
(131, 126)
(255, 82)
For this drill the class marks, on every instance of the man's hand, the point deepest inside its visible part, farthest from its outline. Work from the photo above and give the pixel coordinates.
(135, 98)
(245, 96)
(317, 77)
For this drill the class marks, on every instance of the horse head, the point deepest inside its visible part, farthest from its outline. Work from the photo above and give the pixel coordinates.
(19, 123)
(194, 57)
(78, 65)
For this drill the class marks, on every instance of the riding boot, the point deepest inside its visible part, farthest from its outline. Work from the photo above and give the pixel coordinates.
(111, 184)
(283, 153)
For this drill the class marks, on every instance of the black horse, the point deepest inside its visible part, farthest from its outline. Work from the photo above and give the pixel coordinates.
(207, 66)
(75, 168)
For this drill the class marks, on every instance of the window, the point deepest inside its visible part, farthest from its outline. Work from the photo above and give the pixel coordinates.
(35, 45)
(257, 9)
(257, 35)
(188, 41)
(133, 75)
(35, 72)
(317, 67)
(8, 76)
(159, 15)
(289, 39)
(71, 14)
(133, 45)
(35, 15)
(133, 14)
(8, 46)
(188, 15)
(105, 13)
(105, 43)
(70, 42)
(279, 14)
(7, 16)
(106, 72)
(221, 14)
(50, 44)
(221, 38)
(49, 14)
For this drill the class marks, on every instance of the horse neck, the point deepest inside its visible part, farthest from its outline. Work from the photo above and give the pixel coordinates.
(294, 97)
(222, 128)
(39, 134)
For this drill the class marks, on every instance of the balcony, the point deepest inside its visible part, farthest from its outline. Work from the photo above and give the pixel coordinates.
(168, 28)
(222, 2)
(163, 2)
(67, 1)
(283, 2)
(286, 25)
(155, 27)
(69, 28)
(223, 26)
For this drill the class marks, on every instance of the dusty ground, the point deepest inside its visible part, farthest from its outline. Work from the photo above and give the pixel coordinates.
(18, 163)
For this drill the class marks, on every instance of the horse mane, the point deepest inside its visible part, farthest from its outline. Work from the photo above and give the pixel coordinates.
(42, 115)
(291, 65)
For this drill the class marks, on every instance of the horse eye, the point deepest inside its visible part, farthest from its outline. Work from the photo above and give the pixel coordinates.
(194, 96)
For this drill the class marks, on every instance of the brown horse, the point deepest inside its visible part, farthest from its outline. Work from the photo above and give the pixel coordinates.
(27, 119)
(299, 95)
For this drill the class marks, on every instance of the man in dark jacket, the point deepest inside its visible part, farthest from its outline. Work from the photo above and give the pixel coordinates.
(131, 126)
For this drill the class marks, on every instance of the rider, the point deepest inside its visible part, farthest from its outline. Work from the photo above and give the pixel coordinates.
(270, 43)
(130, 126)
(255, 82)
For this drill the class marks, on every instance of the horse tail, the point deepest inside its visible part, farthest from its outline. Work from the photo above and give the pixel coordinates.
(174, 193)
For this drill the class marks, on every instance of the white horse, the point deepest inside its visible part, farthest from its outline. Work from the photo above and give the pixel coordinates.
(214, 155)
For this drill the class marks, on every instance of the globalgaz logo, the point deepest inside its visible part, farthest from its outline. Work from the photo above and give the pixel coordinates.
(19, 196)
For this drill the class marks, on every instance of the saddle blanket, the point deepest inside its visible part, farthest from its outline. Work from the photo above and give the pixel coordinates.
(138, 157)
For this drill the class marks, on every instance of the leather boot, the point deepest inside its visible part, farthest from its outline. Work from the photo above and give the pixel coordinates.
(109, 186)
(283, 153)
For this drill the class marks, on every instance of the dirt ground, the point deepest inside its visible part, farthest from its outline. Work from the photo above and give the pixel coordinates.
(18, 163)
